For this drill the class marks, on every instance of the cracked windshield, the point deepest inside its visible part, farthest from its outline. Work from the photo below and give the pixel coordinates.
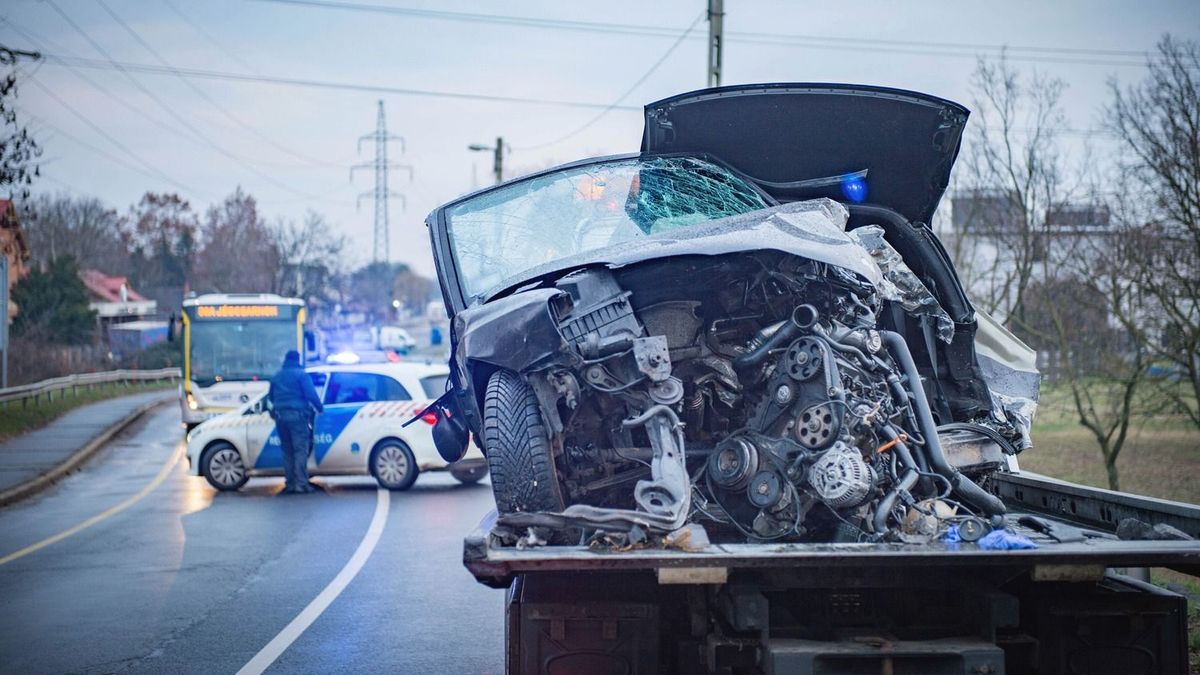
(498, 235)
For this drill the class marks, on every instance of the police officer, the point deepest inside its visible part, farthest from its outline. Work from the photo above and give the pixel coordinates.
(294, 400)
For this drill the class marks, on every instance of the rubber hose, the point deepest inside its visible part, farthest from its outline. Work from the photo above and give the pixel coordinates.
(884, 508)
(965, 487)
(803, 318)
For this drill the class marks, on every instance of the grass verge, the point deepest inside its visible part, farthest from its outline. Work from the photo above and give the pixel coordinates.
(16, 419)
(1161, 459)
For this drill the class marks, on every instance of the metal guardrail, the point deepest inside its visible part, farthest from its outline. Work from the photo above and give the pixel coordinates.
(72, 383)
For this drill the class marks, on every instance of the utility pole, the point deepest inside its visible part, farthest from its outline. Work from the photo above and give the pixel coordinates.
(381, 137)
(497, 156)
(716, 40)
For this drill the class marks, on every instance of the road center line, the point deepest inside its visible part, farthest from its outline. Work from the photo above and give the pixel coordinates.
(267, 655)
(108, 513)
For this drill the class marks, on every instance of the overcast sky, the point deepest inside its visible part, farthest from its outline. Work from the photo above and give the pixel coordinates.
(116, 131)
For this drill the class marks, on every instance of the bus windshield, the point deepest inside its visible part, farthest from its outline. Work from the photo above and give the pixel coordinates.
(239, 350)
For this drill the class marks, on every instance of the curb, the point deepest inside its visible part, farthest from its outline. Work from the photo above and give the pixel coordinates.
(31, 487)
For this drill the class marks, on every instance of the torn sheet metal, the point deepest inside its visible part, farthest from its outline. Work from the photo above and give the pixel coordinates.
(900, 284)
(1009, 367)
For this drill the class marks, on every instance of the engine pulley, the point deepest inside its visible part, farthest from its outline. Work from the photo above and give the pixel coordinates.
(733, 462)
(765, 489)
(817, 426)
(805, 358)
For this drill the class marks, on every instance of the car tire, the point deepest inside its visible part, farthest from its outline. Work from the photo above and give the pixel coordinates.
(393, 465)
(223, 467)
(469, 475)
(518, 448)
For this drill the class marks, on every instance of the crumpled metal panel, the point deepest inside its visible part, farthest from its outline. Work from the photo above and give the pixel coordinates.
(900, 284)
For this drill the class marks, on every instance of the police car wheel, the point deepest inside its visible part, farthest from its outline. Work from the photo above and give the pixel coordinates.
(222, 466)
(393, 465)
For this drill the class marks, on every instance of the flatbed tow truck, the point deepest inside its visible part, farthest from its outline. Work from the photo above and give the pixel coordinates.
(1078, 603)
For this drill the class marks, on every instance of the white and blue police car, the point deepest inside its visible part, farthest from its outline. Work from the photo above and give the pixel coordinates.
(361, 431)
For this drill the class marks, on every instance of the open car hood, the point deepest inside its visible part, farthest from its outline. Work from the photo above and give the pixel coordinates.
(801, 141)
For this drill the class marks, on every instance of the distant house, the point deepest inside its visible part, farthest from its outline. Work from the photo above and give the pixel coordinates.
(13, 247)
(122, 313)
(113, 300)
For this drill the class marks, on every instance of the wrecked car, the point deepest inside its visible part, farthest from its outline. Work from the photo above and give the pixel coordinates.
(747, 327)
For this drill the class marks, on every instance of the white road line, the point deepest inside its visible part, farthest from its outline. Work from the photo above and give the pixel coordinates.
(267, 655)
(107, 513)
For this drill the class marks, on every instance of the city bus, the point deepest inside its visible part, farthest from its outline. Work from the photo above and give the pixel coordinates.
(232, 344)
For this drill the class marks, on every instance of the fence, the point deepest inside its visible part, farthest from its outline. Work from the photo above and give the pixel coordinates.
(72, 383)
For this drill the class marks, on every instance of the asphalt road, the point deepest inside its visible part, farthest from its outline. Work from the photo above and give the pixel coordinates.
(187, 580)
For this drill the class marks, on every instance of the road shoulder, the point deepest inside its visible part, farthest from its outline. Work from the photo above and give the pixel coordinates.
(34, 461)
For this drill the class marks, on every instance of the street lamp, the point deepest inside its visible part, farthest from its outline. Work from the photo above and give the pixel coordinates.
(497, 156)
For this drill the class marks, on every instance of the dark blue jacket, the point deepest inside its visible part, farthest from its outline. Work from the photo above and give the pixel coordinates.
(292, 389)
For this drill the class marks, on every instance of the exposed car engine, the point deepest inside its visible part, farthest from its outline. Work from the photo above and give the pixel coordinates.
(757, 394)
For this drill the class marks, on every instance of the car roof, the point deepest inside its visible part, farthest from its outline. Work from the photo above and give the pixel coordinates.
(395, 369)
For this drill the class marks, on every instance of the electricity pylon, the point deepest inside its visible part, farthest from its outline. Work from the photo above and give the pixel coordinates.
(382, 252)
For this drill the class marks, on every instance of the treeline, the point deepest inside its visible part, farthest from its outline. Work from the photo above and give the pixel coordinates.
(1090, 252)
(162, 242)
(166, 248)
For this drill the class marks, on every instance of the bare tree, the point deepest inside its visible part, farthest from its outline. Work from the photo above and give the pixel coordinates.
(1036, 249)
(1088, 319)
(1158, 123)
(1012, 177)
(84, 228)
(18, 150)
(163, 241)
(238, 253)
(310, 253)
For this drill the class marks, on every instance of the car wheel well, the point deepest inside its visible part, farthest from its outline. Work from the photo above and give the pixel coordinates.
(214, 443)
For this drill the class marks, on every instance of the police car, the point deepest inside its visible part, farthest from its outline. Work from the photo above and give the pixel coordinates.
(360, 432)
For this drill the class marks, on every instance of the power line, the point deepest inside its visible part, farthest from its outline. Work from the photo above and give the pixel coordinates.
(1043, 54)
(171, 111)
(121, 100)
(151, 69)
(201, 93)
(145, 169)
(216, 44)
(645, 76)
(83, 62)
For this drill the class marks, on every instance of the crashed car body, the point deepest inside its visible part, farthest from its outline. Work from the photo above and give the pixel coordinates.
(748, 326)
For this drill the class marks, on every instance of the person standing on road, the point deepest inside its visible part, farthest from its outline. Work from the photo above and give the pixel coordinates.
(294, 400)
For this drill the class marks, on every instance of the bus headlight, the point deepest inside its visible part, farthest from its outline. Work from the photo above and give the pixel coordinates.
(191, 402)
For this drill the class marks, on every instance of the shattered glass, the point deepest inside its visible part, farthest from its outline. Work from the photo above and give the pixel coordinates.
(502, 233)
(900, 284)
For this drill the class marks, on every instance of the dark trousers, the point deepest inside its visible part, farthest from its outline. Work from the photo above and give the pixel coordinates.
(295, 435)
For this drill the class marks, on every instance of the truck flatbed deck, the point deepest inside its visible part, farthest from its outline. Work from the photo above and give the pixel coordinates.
(1090, 512)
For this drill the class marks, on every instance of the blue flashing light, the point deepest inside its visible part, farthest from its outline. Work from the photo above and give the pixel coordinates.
(854, 189)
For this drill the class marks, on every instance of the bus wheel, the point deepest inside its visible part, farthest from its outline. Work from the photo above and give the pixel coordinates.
(223, 467)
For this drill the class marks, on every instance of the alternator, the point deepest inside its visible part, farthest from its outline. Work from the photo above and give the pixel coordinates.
(841, 478)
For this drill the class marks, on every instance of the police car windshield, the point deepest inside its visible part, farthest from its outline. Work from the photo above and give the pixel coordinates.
(497, 236)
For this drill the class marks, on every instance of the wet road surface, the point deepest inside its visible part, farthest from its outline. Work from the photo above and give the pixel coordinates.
(187, 580)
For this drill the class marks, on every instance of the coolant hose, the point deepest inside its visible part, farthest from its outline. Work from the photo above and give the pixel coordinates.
(884, 508)
(965, 487)
(803, 318)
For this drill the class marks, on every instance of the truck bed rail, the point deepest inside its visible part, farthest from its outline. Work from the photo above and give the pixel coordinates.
(1096, 512)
